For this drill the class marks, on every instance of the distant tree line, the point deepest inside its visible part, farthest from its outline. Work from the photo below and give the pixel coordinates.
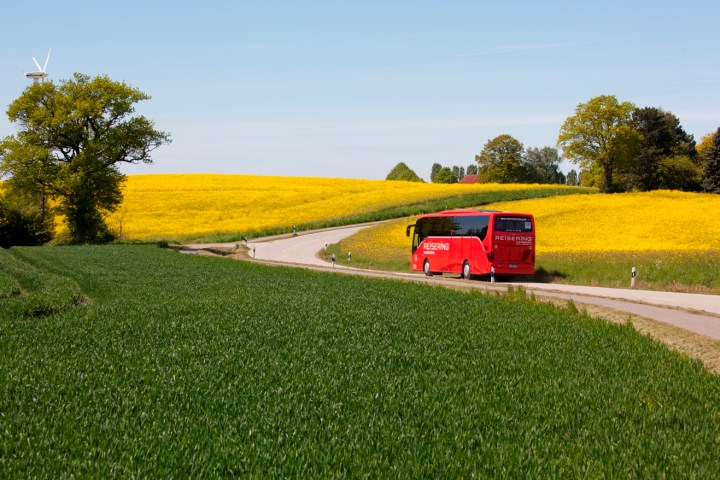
(440, 174)
(617, 147)
(505, 160)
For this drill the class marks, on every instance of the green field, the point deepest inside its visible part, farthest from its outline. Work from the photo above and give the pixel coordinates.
(148, 363)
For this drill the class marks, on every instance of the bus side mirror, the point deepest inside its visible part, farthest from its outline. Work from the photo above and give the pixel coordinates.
(407, 230)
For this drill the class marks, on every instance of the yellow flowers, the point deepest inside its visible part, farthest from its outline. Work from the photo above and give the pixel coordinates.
(195, 206)
(649, 221)
(383, 242)
(667, 221)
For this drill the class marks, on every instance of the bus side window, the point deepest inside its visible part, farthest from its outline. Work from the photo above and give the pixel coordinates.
(480, 227)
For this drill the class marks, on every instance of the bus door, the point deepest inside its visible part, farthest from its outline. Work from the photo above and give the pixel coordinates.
(415, 239)
(414, 264)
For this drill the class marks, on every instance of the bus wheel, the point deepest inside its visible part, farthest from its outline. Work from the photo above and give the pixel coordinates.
(466, 271)
(426, 268)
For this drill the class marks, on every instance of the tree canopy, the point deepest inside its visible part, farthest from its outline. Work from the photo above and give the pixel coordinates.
(402, 172)
(440, 174)
(664, 147)
(445, 175)
(704, 144)
(71, 141)
(544, 164)
(601, 137)
(436, 167)
(501, 160)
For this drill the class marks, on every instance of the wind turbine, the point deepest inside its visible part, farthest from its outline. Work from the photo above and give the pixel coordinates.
(40, 74)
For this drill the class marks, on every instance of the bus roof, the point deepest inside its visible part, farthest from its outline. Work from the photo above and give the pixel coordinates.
(459, 212)
(466, 211)
(469, 212)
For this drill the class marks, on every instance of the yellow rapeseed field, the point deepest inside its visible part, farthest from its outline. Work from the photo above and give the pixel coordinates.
(631, 222)
(198, 205)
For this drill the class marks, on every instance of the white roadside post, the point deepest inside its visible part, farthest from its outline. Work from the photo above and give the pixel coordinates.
(632, 279)
(492, 274)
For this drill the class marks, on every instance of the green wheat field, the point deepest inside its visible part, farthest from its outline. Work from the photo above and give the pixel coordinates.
(142, 362)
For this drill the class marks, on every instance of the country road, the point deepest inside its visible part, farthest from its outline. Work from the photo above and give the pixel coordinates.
(697, 313)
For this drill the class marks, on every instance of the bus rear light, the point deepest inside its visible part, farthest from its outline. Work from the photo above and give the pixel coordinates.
(491, 256)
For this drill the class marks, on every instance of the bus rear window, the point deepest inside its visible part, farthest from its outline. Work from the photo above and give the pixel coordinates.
(513, 224)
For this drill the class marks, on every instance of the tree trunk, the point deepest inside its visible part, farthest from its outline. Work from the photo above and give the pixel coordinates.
(607, 178)
(79, 229)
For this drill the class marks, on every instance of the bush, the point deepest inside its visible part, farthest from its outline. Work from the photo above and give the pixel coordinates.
(445, 175)
(21, 228)
(680, 173)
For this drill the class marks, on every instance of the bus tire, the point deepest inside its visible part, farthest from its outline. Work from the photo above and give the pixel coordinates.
(466, 271)
(426, 268)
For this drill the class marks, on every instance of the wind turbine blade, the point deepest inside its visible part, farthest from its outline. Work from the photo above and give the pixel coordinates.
(46, 60)
(37, 64)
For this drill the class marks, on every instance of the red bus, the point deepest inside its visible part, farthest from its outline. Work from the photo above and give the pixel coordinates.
(473, 242)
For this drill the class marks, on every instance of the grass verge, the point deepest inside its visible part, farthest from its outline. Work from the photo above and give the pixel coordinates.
(668, 271)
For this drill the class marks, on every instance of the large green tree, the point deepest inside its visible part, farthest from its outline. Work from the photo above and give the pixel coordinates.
(600, 137)
(501, 161)
(665, 146)
(72, 139)
(545, 164)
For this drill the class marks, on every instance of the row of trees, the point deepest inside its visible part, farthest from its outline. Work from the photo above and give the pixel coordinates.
(505, 160)
(502, 160)
(65, 158)
(621, 147)
(440, 174)
(617, 146)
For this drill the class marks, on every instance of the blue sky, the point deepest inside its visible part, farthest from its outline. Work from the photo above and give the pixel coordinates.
(351, 88)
